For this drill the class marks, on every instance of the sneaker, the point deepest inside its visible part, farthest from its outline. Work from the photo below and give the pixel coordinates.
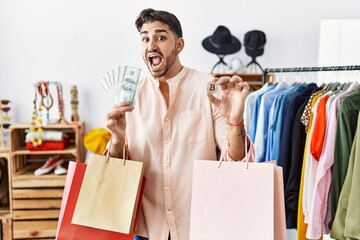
(49, 165)
(59, 169)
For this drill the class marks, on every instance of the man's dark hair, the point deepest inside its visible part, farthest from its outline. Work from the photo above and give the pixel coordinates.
(151, 15)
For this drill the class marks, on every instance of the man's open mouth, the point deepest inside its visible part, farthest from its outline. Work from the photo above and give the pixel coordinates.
(155, 60)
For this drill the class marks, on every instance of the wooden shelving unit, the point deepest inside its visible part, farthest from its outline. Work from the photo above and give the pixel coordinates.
(6, 228)
(254, 79)
(36, 200)
(5, 208)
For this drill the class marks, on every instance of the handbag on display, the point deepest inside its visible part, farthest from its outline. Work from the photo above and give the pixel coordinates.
(68, 231)
(237, 200)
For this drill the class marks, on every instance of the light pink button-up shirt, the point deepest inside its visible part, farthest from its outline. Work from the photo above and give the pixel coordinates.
(167, 140)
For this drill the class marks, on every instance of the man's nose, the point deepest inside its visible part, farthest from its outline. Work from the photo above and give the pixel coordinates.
(152, 45)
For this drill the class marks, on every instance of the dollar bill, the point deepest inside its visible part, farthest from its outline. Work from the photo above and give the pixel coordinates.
(105, 84)
(120, 83)
(129, 84)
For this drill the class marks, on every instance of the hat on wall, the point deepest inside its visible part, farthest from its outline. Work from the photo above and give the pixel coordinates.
(221, 42)
(96, 140)
(254, 42)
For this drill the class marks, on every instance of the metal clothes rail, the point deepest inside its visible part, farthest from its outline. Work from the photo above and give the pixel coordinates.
(309, 69)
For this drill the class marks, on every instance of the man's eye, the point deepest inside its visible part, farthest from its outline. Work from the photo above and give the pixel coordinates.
(145, 39)
(162, 38)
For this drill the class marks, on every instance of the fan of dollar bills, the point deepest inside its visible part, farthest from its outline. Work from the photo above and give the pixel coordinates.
(120, 83)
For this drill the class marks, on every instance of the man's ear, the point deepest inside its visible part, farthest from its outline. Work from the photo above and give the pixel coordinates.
(179, 45)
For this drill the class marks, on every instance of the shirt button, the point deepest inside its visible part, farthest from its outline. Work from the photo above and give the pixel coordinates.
(166, 119)
(167, 189)
(157, 83)
(166, 141)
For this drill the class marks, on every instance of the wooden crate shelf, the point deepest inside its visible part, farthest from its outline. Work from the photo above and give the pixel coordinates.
(70, 150)
(36, 200)
(36, 203)
(35, 214)
(25, 178)
(253, 79)
(39, 193)
(5, 207)
(34, 229)
(6, 228)
(6, 211)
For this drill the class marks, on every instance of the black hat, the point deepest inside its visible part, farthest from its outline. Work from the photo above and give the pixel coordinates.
(221, 42)
(254, 42)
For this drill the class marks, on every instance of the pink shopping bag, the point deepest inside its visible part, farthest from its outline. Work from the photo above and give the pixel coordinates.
(237, 200)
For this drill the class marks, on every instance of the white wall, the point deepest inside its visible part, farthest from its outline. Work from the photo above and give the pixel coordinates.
(339, 42)
(75, 42)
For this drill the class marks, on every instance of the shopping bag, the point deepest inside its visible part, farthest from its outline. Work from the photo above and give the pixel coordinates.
(279, 205)
(68, 231)
(109, 194)
(237, 200)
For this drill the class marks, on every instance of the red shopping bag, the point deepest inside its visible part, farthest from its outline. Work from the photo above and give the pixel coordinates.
(68, 231)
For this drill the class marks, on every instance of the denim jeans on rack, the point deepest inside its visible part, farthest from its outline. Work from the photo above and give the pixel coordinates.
(140, 238)
(144, 238)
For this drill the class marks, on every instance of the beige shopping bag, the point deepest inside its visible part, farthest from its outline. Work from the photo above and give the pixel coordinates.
(68, 231)
(109, 194)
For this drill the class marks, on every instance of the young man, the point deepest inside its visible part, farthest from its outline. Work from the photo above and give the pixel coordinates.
(173, 122)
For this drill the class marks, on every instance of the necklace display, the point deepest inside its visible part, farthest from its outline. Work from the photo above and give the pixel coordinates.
(46, 98)
(36, 121)
(60, 103)
(74, 104)
(45, 101)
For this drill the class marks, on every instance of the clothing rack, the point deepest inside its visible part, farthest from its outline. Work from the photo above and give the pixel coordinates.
(309, 69)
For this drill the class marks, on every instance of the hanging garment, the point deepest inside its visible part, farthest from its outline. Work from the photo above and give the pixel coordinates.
(250, 104)
(347, 218)
(305, 118)
(347, 121)
(254, 117)
(301, 225)
(296, 99)
(320, 210)
(311, 165)
(292, 186)
(317, 140)
(262, 121)
(270, 135)
(276, 120)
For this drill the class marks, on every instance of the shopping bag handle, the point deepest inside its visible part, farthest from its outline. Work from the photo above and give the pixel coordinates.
(249, 153)
(125, 152)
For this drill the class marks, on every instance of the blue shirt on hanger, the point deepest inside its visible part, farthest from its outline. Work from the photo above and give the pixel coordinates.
(277, 122)
(262, 121)
(254, 118)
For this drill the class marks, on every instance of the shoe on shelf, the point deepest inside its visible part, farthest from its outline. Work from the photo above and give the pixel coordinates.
(49, 165)
(59, 169)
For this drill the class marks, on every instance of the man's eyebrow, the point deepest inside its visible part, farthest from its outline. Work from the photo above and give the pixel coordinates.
(156, 31)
